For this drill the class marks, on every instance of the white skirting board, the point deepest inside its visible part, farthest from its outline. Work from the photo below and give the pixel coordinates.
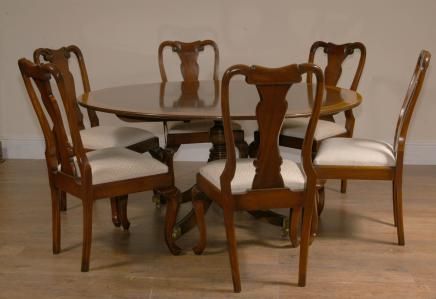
(33, 148)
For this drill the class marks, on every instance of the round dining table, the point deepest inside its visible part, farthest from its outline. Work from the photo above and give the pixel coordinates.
(200, 100)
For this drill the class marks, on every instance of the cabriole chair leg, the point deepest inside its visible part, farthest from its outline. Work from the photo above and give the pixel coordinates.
(87, 233)
(199, 208)
(343, 186)
(233, 253)
(56, 219)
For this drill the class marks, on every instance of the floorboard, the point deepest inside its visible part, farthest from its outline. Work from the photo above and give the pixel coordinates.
(355, 254)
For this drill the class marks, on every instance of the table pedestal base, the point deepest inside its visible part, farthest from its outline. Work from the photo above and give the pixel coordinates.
(218, 149)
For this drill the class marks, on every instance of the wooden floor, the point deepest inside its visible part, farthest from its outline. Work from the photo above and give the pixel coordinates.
(355, 254)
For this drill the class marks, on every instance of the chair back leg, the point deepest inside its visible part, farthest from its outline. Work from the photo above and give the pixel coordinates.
(394, 202)
(306, 234)
(398, 210)
(87, 232)
(63, 204)
(343, 186)
(122, 208)
(294, 225)
(56, 219)
(119, 211)
(231, 242)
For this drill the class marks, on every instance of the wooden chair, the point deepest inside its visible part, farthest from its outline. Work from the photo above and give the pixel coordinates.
(268, 181)
(98, 136)
(178, 133)
(293, 130)
(364, 159)
(110, 172)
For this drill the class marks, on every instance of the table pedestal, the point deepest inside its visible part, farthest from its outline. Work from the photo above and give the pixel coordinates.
(218, 149)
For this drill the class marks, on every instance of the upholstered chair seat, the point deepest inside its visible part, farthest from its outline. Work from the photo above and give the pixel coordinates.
(196, 126)
(354, 152)
(292, 175)
(118, 164)
(101, 137)
(325, 129)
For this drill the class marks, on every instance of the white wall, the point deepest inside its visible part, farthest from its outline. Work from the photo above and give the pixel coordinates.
(120, 38)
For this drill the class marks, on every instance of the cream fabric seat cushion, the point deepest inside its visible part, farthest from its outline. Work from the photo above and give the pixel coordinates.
(354, 152)
(324, 129)
(112, 136)
(292, 175)
(195, 126)
(117, 164)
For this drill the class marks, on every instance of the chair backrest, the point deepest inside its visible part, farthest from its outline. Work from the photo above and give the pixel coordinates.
(409, 103)
(59, 151)
(60, 57)
(272, 85)
(336, 54)
(188, 54)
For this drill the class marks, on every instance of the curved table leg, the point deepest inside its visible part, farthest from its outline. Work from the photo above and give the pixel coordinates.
(198, 202)
(189, 221)
(173, 197)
